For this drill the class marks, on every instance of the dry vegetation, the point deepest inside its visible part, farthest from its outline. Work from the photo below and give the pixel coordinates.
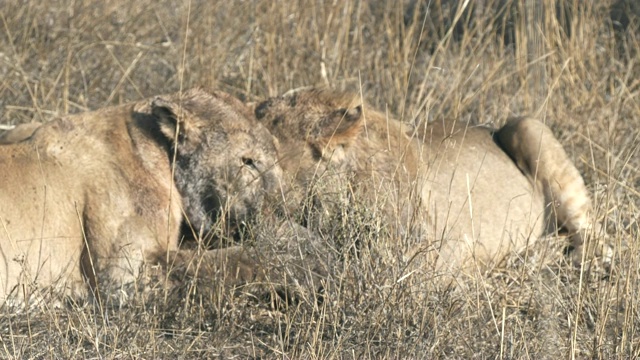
(59, 57)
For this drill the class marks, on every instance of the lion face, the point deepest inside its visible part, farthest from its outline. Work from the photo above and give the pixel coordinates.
(225, 162)
(314, 129)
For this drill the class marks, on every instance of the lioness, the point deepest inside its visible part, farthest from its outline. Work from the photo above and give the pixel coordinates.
(454, 185)
(89, 198)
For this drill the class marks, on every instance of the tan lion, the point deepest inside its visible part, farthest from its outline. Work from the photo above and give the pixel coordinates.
(473, 193)
(88, 199)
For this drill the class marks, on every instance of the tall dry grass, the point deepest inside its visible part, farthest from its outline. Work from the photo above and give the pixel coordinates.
(60, 57)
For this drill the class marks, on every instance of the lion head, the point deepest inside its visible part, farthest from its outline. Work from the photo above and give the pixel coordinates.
(225, 162)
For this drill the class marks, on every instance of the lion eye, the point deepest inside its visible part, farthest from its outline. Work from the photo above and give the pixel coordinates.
(261, 109)
(249, 162)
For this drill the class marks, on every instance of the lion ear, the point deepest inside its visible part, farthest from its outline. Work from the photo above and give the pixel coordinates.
(173, 120)
(340, 129)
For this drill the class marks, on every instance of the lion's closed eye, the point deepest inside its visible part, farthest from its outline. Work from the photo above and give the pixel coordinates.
(250, 162)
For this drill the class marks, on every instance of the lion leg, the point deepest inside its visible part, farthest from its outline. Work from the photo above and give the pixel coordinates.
(232, 265)
(541, 157)
(286, 260)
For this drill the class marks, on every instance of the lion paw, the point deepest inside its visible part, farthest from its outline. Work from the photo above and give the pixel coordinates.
(595, 253)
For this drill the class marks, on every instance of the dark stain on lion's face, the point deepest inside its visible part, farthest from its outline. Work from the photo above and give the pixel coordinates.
(226, 162)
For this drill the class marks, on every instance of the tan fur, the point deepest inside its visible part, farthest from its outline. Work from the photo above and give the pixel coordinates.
(90, 198)
(540, 156)
(448, 190)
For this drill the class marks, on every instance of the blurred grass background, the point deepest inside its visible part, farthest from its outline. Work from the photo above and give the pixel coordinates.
(573, 64)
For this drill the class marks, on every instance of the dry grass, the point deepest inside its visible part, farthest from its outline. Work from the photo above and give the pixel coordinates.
(59, 57)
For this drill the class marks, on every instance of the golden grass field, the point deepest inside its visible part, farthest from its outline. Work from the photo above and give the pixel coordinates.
(59, 57)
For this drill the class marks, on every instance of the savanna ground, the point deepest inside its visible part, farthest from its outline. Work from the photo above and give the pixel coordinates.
(59, 57)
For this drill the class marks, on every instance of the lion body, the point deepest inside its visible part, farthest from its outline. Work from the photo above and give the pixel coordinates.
(451, 191)
(63, 205)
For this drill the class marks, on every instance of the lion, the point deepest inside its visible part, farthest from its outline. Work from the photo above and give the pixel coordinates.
(465, 192)
(87, 199)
